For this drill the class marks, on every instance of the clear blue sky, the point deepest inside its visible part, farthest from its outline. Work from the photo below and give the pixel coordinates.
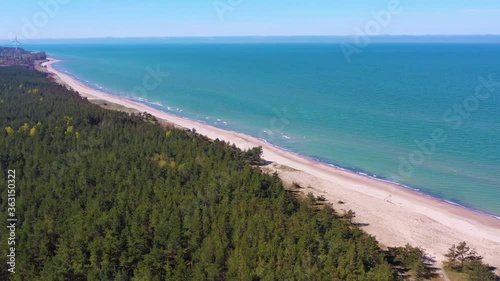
(163, 18)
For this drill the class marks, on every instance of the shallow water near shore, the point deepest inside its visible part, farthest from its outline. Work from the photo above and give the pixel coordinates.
(407, 113)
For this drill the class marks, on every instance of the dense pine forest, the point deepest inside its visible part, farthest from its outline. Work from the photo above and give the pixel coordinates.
(103, 195)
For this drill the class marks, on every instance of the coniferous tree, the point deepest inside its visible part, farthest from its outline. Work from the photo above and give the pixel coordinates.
(479, 271)
(461, 254)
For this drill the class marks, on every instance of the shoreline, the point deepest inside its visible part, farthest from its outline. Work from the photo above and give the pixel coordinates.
(383, 180)
(310, 158)
(298, 154)
(422, 220)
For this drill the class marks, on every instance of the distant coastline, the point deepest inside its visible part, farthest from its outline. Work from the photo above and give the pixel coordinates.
(327, 39)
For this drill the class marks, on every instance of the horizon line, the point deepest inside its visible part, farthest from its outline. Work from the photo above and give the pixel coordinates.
(260, 36)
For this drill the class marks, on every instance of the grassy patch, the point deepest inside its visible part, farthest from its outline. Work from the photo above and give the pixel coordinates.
(456, 276)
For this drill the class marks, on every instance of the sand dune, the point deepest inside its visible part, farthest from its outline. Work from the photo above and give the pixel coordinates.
(393, 214)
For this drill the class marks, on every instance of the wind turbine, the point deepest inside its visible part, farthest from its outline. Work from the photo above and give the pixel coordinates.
(16, 42)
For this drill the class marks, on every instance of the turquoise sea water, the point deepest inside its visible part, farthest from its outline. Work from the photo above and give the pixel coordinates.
(375, 115)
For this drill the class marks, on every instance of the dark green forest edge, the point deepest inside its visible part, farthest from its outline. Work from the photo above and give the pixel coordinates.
(103, 195)
(18, 56)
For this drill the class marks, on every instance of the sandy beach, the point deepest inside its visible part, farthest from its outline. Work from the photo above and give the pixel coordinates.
(395, 215)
